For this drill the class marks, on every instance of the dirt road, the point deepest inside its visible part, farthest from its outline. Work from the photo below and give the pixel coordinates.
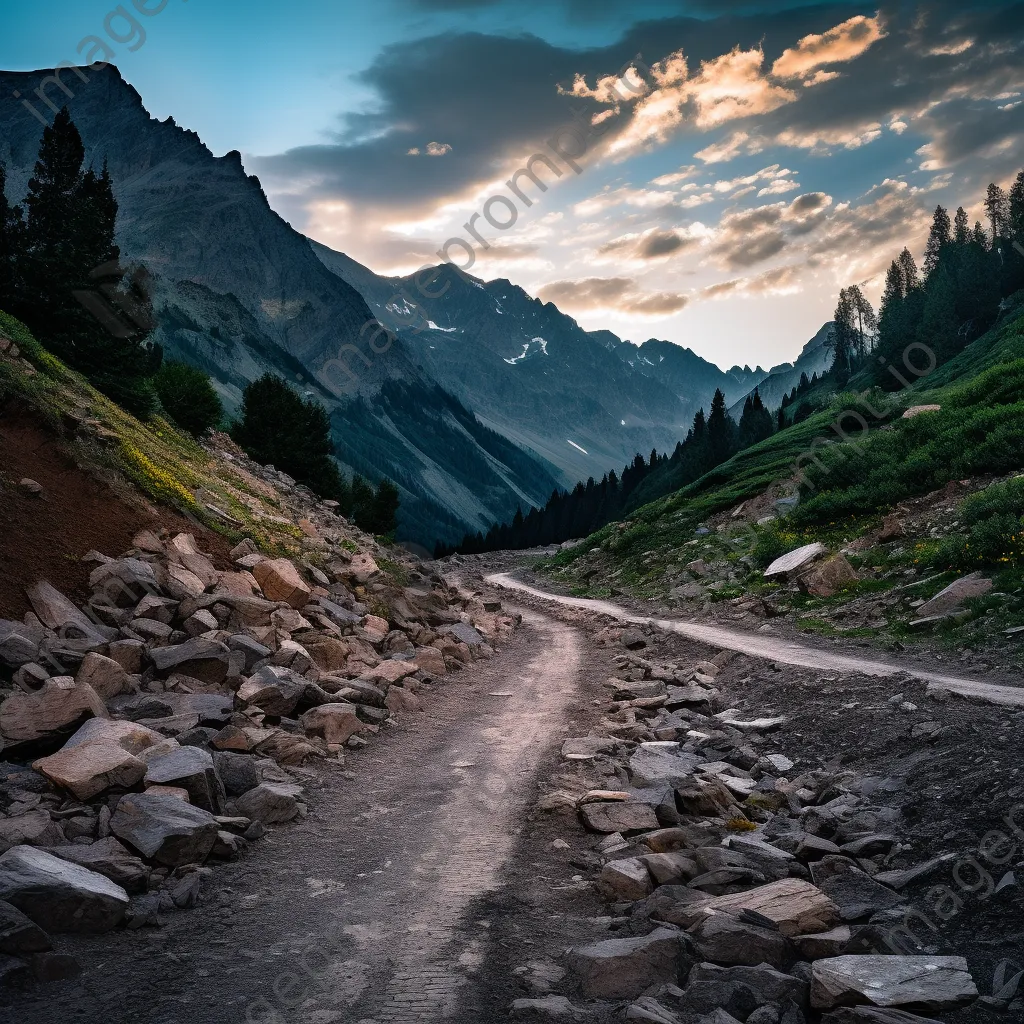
(777, 649)
(364, 911)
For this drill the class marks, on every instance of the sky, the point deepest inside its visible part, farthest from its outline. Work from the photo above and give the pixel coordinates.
(711, 172)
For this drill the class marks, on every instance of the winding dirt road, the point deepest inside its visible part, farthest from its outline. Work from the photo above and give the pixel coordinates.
(772, 648)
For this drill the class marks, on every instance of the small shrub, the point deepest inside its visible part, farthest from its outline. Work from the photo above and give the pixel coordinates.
(189, 397)
(995, 536)
(773, 541)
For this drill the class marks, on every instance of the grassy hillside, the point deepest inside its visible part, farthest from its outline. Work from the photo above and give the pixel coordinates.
(844, 486)
(166, 465)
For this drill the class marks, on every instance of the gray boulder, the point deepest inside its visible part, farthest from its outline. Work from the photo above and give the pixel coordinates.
(624, 968)
(109, 858)
(193, 770)
(918, 982)
(237, 771)
(57, 895)
(20, 934)
(165, 829)
(270, 802)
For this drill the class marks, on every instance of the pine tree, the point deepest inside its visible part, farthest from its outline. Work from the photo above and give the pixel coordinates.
(721, 430)
(279, 428)
(865, 321)
(1017, 208)
(939, 238)
(11, 245)
(961, 227)
(756, 422)
(997, 206)
(938, 328)
(72, 292)
(383, 513)
(843, 336)
(911, 278)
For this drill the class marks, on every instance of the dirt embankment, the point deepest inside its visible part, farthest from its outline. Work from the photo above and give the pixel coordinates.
(44, 536)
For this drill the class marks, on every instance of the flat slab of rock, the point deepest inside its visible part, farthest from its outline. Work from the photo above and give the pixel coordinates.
(654, 763)
(873, 1015)
(109, 858)
(584, 748)
(952, 598)
(390, 671)
(795, 560)
(57, 895)
(164, 829)
(617, 816)
(797, 907)
(33, 827)
(624, 968)
(931, 983)
(104, 675)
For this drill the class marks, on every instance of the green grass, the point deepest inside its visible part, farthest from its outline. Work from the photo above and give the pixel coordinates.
(847, 483)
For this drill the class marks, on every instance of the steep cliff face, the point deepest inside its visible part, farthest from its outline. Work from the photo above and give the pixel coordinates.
(239, 292)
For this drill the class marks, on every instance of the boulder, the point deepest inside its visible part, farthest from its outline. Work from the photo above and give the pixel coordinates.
(89, 768)
(123, 582)
(33, 827)
(18, 645)
(930, 983)
(624, 817)
(164, 829)
(60, 704)
(272, 689)
(270, 802)
(829, 577)
(795, 560)
(20, 934)
(130, 736)
(237, 771)
(671, 868)
(362, 567)
(430, 660)
(741, 990)
(57, 895)
(463, 632)
(625, 880)
(280, 581)
(55, 611)
(951, 598)
(857, 894)
(725, 939)
(795, 906)
(390, 671)
(109, 858)
(191, 769)
(334, 722)
(819, 945)
(624, 968)
(104, 675)
(655, 764)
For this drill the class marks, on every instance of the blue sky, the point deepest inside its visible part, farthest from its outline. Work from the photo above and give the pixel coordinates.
(764, 155)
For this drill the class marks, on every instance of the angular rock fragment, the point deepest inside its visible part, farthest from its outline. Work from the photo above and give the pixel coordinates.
(930, 983)
(271, 802)
(60, 704)
(618, 817)
(57, 895)
(624, 968)
(164, 829)
(280, 581)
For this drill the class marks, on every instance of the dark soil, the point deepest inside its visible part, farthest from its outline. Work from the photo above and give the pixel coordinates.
(44, 537)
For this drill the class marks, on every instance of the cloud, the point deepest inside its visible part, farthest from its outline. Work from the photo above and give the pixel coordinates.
(733, 145)
(655, 244)
(614, 296)
(783, 280)
(843, 43)
(726, 88)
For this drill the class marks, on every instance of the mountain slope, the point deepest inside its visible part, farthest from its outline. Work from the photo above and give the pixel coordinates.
(528, 370)
(238, 292)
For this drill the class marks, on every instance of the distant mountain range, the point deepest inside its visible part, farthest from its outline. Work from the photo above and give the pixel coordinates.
(489, 400)
(814, 358)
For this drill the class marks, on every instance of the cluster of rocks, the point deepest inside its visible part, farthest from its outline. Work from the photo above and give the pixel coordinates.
(742, 888)
(165, 723)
